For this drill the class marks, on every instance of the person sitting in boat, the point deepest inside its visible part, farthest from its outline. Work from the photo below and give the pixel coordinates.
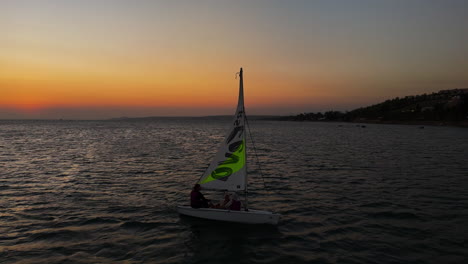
(224, 203)
(197, 200)
(234, 204)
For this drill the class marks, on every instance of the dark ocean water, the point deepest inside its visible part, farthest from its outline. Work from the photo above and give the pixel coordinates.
(106, 192)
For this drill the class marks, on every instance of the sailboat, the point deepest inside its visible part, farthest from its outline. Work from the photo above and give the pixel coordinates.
(228, 172)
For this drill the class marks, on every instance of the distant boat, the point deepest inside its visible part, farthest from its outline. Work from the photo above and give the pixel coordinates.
(228, 172)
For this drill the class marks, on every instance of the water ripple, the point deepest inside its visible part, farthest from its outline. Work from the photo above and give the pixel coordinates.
(106, 192)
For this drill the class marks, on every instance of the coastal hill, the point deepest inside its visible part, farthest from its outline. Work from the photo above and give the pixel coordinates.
(446, 107)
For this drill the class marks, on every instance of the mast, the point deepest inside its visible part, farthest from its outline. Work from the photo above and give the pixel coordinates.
(241, 102)
(241, 91)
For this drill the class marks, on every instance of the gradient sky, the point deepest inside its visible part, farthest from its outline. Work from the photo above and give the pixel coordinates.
(102, 59)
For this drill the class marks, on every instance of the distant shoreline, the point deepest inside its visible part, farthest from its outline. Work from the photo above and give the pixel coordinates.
(443, 108)
(463, 124)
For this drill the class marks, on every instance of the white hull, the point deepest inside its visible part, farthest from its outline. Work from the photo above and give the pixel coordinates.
(245, 217)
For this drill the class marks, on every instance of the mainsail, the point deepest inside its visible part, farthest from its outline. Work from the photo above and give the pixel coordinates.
(228, 170)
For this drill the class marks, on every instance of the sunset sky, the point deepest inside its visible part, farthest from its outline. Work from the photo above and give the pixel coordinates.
(103, 59)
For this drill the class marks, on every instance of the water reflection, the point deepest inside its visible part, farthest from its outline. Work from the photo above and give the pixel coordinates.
(106, 191)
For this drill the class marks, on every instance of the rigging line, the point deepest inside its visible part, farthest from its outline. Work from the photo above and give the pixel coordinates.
(255, 151)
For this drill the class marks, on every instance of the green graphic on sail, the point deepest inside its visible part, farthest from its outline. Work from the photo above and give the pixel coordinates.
(233, 163)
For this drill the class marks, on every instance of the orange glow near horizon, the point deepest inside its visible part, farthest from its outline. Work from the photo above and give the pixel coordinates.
(32, 88)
